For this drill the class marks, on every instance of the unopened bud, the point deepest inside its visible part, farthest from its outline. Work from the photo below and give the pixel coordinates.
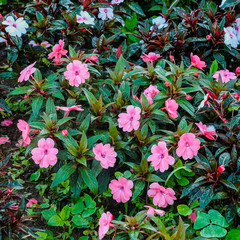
(221, 169)
(188, 97)
(209, 37)
(236, 95)
(167, 84)
(65, 132)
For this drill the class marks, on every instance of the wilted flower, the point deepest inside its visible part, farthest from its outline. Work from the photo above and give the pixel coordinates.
(150, 93)
(57, 52)
(4, 140)
(230, 37)
(105, 13)
(85, 18)
(171, 107)
(152, 211)
(27, 72)
(45, 154)
(104, 224)
(25, 128)
(196, 62)
(67, 110)
(188, 146)
(150, 57)
(120, 189)
(160, 22)
(6, 123)
(31, 202)
(208, 131)
(225, 75)
(238, 71)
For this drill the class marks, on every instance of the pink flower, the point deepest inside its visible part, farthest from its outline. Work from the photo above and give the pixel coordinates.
(225, 75)
(221, 169)
(4, 140)
(236, 95)
(160, 158)
(209, 132)
(105, 154)
(150, 93)
(238, 71)
(65, 132)
(76, 73)
(162, 196)
(1, 110)
(104, 224)
(45, 44)
(152, 211)
(45, 154)
(25, 128)
(120, 189)
(31, 202)
(192, 216)
(150, 57)
(196, 62)
(57, 52)
(6, 123)
(171, 107)
(130, 120)
(27, 72)
(188, 146)
(67, 110)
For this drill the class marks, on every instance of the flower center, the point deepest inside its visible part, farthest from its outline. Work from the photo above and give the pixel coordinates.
(162, 155)
(45, 152)
(15, 25)
(76, 73)
(105, 10)
(131, 118)
(103, 155)
(187, 144)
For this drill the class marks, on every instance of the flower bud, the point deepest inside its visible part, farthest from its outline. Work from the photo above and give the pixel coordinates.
(94, 58)
(65, 132)
(236, 95)
(209, 37)
(167, 84)
(171, 58)
(238, 71)
(196, 75)
(188, 97)
(224, 120)
(221, 169)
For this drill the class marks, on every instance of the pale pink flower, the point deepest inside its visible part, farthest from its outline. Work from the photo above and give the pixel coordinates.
(188, 146)
(196, 62)
(230, 37)
(150, 57)
(105, 154)
(171, 107)
(45, 44)
(105, 13)
(238, 29)
(6, 123)
(160, 22)
(27, 72)
(130, 120)
(45, 154)
(159, 158)
(57, 52)
(208, 131)
(25, 128)
(4, 140)
(31, 202)
(120, 189)
(117, 1)
(104, 224)
(76, 73)
(225, 75)
(33, 43)
(85, 17)
(162, 196)
(67, 110)
(152, 211)
(150, 93)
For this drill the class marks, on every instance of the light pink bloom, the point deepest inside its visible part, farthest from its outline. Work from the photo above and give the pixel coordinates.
(150, 93)
(31, 202)
(162, 196)
(27, 72)
(45, 44)
(160, 22)
(25, 128)
(130, 120)
(32, 43)
(152, 211)
(120, 189)
(4, 140)
(159, 158)
(230, 37)
(57, 52)
(225, 75)
(209, 132)
(6, 123)
(104, 224)
(105, 154)
(76, 73)
(150, 57)
(117, 1)
(67, 110)
(105, 13)
(45, 154)
(188, 146)
(171, 107)
(196, 62)
(85, 17)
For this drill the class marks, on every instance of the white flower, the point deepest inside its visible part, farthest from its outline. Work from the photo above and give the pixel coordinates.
(105, 13)
(230, 37)
(2, 40)
(85, 17)
(33, 43)
(238, 28)
(204, 101)
(15, 28)
(160, 22)
(117, 1)
(45, 44)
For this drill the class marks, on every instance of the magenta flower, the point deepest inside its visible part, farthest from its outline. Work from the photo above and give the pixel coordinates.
(150, 93)
(25, 128)
(57, 52)
(4, 140)
(196, 62)
(120, 189)
(27, 72)
(130, 120)
(188, 146)
(225, 75)
(209, 132)
(162, 196)
(192, 216)
(31, 202)
(150, 57)
(104, 224)
(6, 123)
(76, 73)
(45, 154)
(67, 110)
(105, 154)
(171, 107)
(152, 211)
(159, 158)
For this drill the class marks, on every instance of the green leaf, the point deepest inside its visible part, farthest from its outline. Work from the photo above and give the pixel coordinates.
(20, 90)
(234, 234)
(136, 8)
(89, 179)
(113, 132)
(184, 210)
(83, 143)
(217, 219)
(206, 197)
(79, 221)
(78, 207)
(47, 214)
(63, 174)
(37, 104)
(186, 106)
(213, 231)
(160, 225)
(201, 221)
(76, 185)
(8, 75)
(85, 123)
(228, 184)
(4, 105)
(139, 186)
(65, 213)
(180, 234)
(55, 221)
(133, 234)
(131, 23)
(214, 67)
(230, 3)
